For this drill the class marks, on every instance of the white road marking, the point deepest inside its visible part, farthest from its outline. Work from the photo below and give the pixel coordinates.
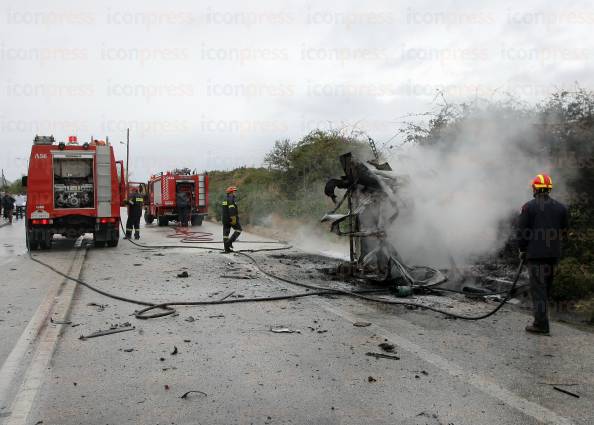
(12, 364)
(57, 304)
(482, 383)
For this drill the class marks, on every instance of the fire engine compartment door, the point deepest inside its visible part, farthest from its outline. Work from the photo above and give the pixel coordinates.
(187, 186)
(157, 193)
(73, 180)
(103, 164)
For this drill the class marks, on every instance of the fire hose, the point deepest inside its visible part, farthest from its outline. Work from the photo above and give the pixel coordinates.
(167, 307)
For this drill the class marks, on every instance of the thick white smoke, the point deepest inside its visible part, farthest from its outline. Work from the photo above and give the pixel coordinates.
(463, 188)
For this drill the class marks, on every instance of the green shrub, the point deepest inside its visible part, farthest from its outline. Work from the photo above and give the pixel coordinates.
(573, 280)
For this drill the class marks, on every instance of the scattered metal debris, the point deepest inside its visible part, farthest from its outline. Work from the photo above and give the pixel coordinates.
(100, 307)
(371, 379)
(175, 351)
(183, 274)
(280, 330)
(382, 356)
(361, 324)
(106, 332)
(186, 394)
(566, 392)
(189, 319)
(60, 322)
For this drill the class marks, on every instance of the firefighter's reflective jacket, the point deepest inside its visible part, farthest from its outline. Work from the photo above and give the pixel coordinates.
(230, 215)
(135, 202)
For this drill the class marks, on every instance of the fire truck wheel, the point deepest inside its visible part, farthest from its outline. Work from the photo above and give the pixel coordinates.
(196, 220)
(113, 243)
(99, 244)
(32, 244)
(148, 219)
(163, 221)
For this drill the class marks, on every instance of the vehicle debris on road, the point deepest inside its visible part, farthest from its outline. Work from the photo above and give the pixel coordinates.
(561, 390)
(100, 307)
(187, 393)
(382, 356)
(107, 332)
(281, 330)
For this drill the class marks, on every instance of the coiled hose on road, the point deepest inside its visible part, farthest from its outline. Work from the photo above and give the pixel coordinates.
(167, 307)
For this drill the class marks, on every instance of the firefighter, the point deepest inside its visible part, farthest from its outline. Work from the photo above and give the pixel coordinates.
(230, 218)
(135, 204)
(542, 226)
(8, 206)
(182, 202)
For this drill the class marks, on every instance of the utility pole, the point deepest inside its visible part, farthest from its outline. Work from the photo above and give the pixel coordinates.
(127, 153)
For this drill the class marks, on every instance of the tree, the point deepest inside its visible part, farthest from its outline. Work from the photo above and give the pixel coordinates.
(279, 158)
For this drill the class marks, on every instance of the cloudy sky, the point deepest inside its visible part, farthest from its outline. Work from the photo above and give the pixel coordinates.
(212, 85)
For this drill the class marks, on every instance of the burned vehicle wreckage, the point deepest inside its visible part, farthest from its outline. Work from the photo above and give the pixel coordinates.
(372, 206)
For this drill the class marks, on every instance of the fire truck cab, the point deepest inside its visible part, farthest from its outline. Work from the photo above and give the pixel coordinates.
(73, 189)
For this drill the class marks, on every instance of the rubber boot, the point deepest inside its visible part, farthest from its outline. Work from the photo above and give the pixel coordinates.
(233, 238)
(228, 246)
(537, 330)
(137, 235)
(128, 235)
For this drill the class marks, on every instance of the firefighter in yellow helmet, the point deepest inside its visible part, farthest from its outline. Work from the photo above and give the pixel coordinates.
(542, 227)
(230, 218)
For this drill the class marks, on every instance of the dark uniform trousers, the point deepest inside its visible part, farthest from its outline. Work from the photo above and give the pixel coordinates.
(184, 215)
(227, 229)
(541, 284)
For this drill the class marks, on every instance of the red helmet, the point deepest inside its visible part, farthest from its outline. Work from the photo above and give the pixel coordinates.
(231, 189)
(542, 181)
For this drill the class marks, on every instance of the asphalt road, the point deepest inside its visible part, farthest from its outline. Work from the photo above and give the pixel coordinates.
(447, 371)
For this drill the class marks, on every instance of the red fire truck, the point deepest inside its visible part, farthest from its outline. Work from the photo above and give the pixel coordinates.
(164, 189)
(73, 189)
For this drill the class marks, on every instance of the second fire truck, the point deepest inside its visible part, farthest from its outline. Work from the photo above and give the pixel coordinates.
(163, 191)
